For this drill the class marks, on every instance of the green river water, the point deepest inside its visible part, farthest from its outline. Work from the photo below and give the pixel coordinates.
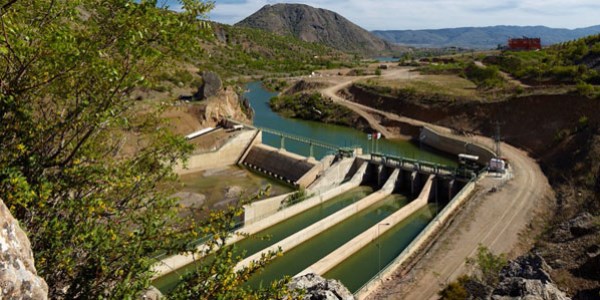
(311, 251)
(277, 232)
(332, 134)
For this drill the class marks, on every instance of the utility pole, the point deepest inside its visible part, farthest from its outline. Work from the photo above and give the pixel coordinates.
(497, 139)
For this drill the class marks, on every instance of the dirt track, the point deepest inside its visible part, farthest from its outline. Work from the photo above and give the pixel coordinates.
(494, 220)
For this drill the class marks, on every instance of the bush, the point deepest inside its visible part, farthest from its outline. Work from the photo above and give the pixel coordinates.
(455, 290)
(294, 198)
(488, 77)
(488, 265)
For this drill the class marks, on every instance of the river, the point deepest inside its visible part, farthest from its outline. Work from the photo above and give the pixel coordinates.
(336, 135)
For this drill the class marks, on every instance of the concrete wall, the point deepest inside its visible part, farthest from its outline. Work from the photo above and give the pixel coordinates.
(454, 145)
(288, 166)
(263, 208)
(255, 219)
(227, 155)
(322, 225)
(369, 235)
(310, 176)
(333, 176)
(422, 239)
(255, 141)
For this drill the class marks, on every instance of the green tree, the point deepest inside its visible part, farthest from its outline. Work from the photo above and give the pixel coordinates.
(92, 209)
(488, 265)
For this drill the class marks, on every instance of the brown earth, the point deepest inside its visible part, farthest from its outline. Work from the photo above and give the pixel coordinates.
(533, 123)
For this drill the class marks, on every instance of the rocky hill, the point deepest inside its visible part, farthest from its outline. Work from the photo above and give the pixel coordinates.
(317, 25)
(481, 37)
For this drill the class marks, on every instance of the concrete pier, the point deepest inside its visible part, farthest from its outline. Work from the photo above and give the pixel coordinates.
(368, 236)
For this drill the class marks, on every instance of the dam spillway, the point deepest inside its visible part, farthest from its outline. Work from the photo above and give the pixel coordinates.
(331, 176)
(346, 174)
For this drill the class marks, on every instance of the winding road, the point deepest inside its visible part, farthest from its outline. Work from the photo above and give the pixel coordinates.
(496, 216)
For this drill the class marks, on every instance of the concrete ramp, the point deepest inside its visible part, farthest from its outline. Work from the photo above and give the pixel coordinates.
(281, 164)
(334, 175)
(339, 255)
(309, 177)
(324, 224)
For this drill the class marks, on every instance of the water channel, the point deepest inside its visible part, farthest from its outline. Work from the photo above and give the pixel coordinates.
(371, 259)
(277, 232)
(311, 251)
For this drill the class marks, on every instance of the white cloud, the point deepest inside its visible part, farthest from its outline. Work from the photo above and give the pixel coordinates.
(423, 14)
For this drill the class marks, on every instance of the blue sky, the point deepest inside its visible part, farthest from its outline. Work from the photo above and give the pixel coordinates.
(431, 14)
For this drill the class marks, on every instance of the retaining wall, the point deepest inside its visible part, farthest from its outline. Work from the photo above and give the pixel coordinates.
(455, 145)
(324, 224)
(363, 239)
(335, 175)
(420, 241)
(263, 208)
(256, 224)
(227, 155)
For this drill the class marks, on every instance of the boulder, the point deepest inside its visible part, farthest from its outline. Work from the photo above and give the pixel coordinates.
(191, 200)
(233, 192)
(527, 278)
(211, 85)
(18, 276)
(152, 293)
(319, 288)
(581, 225)
(531, 266)
(519, 288)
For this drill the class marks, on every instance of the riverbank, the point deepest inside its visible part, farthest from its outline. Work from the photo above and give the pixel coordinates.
(314, 107)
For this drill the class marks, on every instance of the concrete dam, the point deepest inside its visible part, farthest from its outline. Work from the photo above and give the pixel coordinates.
(370, 209)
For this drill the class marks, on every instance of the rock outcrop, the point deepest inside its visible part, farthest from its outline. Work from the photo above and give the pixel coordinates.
(527, 278)
(18, 276)
(211, 86)
(581, 225)
(319, 288)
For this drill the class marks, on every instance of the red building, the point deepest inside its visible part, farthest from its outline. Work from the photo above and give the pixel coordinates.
(525, 43)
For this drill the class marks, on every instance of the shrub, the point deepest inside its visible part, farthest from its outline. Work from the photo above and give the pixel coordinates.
(484, 77)
(488, 265)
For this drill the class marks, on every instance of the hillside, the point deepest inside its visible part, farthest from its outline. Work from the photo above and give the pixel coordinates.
(317, 25)
(481, 37)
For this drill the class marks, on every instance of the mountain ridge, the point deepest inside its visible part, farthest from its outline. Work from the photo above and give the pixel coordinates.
(481, 37)
(320, 25)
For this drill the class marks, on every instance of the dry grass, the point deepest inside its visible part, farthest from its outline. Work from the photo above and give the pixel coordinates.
(449, 85)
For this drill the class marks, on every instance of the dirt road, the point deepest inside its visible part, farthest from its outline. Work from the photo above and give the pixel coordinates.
(493, 219)
(364, 111)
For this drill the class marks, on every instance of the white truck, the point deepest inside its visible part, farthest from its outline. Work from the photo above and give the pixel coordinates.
(497, 165)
